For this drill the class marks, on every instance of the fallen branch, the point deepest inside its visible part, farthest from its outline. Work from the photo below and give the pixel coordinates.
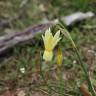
(13, 38)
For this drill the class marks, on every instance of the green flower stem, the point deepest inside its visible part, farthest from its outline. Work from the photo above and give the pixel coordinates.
(46, 84)
(86, 73)
(41, 72)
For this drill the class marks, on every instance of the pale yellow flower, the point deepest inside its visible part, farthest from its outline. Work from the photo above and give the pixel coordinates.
(50, 42)
(59, 57)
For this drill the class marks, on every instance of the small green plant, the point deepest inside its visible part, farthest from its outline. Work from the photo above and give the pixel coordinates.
(67, 35)
(50, 42)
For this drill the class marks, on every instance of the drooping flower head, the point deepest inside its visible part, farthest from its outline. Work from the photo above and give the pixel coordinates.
(59, 57)
(50, 42)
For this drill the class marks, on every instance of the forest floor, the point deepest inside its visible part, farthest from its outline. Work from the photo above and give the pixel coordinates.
(14, 83)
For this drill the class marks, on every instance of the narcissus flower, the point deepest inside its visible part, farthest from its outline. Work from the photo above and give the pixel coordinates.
(50, 42)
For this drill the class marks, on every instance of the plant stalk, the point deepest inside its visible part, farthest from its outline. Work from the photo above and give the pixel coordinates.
(86, 73)
(66, 33)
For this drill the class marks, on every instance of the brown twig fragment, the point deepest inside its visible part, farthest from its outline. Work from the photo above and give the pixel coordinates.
(84, 90)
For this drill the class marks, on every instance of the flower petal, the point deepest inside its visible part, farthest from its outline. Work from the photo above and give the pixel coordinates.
(56, 36)
(55, 43)
(48, 34)
(48, 40)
